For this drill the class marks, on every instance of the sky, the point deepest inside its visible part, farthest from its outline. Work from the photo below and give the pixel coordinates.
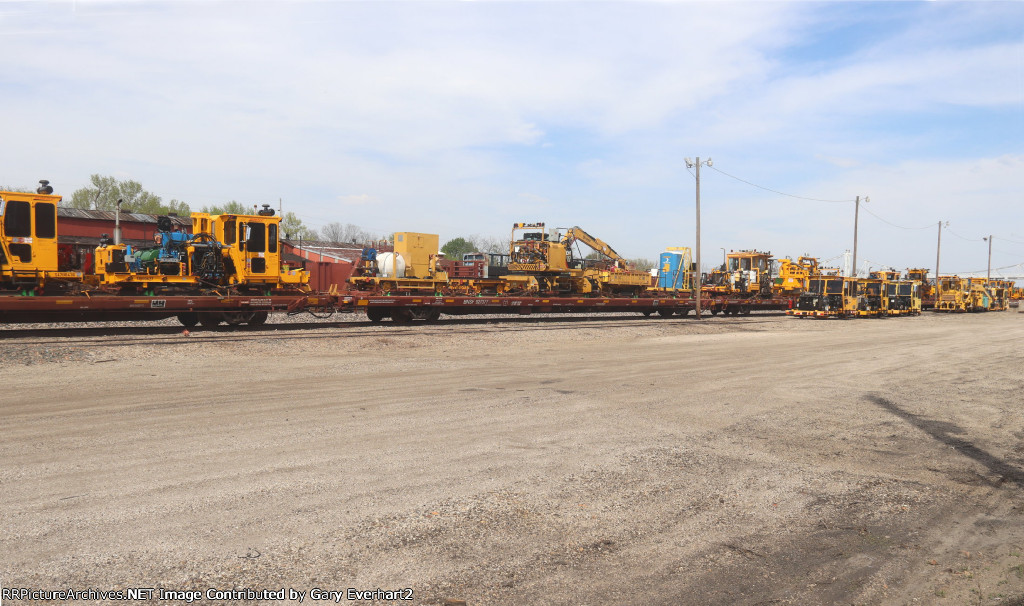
(462, 118)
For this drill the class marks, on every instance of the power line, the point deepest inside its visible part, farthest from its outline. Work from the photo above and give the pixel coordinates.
(781, 193)
(775, 191)
(893, 224)
(963, 238)
(981, 271)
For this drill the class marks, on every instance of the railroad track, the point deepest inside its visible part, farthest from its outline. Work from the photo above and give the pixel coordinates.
(172, 334)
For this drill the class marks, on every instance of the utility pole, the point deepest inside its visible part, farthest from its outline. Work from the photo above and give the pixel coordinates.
(988, 276)
(856, 219)
(938, 250)
(117, 222)
(698, 280)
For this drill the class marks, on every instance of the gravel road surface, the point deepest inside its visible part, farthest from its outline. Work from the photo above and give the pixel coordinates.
(755, 460)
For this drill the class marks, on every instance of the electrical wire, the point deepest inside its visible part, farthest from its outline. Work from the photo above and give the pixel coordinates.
(963, 238)
(781, 193)
(893, 224)
(981, 271)
(775, 191)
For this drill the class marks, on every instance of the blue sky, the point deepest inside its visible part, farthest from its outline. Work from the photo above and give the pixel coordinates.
(462, 118)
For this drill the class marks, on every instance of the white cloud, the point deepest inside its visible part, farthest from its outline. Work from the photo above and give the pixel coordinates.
(441, 114)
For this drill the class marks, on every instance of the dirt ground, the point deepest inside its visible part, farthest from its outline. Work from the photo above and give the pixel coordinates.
(757, 460)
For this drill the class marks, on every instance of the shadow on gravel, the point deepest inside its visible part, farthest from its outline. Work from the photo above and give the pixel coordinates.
(946, 433)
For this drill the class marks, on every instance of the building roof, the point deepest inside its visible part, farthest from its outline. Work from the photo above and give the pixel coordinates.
(68, 212)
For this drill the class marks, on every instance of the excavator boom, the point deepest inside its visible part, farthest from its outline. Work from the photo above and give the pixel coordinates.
(576, 234)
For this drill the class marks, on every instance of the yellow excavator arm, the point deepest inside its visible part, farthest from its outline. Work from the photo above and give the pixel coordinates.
(574, 234)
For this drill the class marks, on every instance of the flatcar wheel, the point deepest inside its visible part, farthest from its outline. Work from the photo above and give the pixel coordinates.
(401, 316)
(189, 319)
(210, 319)
(433, 315)
(258, 318)
(237, 318)
(664, 313)
(375, 315)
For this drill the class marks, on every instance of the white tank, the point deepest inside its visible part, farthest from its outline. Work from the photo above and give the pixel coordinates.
(386, 265)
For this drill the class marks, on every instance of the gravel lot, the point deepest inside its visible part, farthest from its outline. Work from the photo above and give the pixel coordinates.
(757, 460)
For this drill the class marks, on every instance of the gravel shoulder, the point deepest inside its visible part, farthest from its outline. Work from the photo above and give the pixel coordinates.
(758, 460)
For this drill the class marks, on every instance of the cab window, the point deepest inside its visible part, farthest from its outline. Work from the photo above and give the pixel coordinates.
(272, 238)
(18, 220)
(257, 240)
(46, 220)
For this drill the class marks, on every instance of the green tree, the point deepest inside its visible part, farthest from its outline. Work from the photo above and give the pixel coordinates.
(456, 247)
(179, 208)
(106, 191)
(293, 229)
(641, 264)
(233, 207)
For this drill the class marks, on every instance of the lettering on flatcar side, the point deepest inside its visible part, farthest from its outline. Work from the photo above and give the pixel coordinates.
(158, 303)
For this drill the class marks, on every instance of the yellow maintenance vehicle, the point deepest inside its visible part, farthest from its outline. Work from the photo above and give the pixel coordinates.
(543, 261)
(240, 253)
(920, 274)
(793, 275)
(828, 297)
(885, 274)
(613, 273)
(871, 297)
(903, 298)
(953, 294)
(978, 296)
(28, 244)
(747, 273)
(1000, 291)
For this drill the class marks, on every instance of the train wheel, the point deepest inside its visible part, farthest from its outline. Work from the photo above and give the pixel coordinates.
(237, 318)
(664, 313)
(375, 315)
(258, 318)
(210, 319)
(401, 316)
(189, 319)
(433, 315)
